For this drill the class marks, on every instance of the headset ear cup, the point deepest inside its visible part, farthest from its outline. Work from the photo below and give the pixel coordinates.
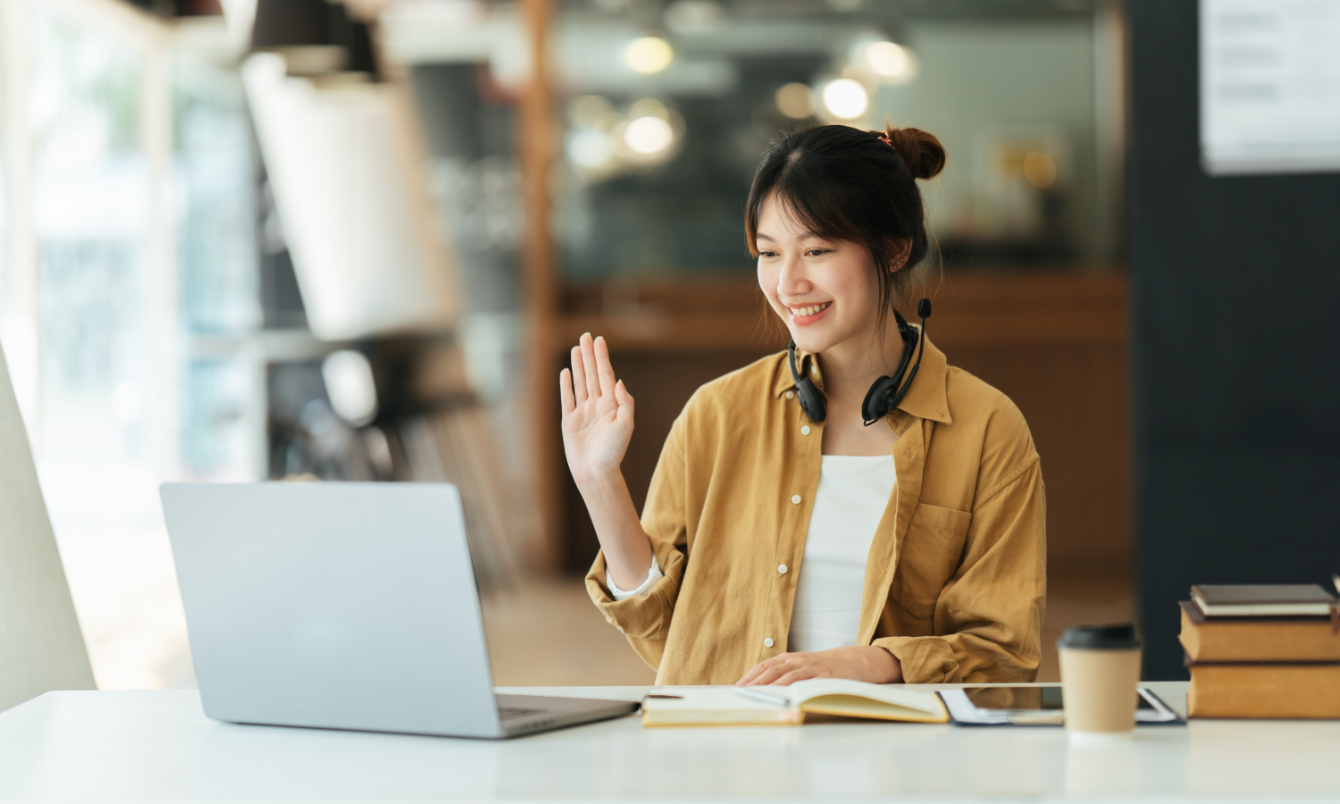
(811, 401)
(876, 404)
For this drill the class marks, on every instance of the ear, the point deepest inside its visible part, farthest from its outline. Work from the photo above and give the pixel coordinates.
(899, 252)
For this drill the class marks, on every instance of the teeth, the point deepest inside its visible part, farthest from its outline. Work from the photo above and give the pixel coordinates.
(801, 312)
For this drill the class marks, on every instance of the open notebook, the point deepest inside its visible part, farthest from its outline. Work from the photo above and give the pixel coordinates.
(787, 706)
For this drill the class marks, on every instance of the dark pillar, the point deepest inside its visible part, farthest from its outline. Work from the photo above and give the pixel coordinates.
(1236, 305)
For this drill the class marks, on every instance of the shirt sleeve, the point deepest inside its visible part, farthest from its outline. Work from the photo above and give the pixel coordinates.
(645, 618)
(992, 627)
(654, 574)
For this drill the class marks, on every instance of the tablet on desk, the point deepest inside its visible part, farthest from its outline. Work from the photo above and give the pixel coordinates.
(1037, 706)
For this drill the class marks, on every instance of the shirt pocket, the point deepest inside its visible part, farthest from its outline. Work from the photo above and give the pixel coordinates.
(930, 554)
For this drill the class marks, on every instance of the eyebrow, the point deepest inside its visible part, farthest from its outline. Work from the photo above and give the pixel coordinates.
(803, 236)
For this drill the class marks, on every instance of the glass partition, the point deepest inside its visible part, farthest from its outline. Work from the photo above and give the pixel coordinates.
(666, 112)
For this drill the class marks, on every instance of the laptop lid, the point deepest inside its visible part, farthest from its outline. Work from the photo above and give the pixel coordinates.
(336, 605)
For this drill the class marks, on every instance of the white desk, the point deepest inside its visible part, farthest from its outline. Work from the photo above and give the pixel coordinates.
(155, 746)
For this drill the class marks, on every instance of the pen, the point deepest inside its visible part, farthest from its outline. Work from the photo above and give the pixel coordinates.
(755, 694)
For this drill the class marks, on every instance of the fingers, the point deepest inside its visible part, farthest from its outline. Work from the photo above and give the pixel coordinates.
(604, 370)
(753, 673)
(578, 375)
(782, 670)
(798, 674)
(763, 672)
(768, 676)
(565, 398)
(593, 375)
(589, 363)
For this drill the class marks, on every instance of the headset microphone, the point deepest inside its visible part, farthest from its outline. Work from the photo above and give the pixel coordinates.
(811, 399)
(887, 392)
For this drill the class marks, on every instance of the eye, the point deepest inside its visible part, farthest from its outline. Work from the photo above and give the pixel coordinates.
(815, 252)
(767, 254)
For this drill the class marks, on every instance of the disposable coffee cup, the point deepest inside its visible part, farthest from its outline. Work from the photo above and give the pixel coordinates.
(1100, 668)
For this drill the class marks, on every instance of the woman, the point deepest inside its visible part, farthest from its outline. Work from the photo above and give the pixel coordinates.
(779, 544)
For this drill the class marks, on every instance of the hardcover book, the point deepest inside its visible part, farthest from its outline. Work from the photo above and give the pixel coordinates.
(1265, 691)
(1245, 600)
(1257, 639)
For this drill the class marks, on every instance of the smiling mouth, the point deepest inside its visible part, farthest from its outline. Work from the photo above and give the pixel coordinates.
(814, 309)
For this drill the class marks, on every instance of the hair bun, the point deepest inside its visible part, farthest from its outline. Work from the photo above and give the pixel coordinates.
(921, 151)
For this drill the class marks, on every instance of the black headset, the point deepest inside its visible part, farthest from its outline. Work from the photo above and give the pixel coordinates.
(885, 394)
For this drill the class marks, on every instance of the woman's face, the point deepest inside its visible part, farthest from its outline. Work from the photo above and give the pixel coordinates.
(824, 290)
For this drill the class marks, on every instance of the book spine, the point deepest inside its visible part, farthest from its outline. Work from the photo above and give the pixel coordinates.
(1310, 691)
(1269, 641)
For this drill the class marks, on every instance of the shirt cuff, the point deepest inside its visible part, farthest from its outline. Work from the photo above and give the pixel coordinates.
(654, 574)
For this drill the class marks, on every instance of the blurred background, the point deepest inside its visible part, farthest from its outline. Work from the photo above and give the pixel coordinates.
(298, 239)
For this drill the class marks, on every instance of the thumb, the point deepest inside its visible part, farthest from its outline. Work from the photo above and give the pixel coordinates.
(624, 399)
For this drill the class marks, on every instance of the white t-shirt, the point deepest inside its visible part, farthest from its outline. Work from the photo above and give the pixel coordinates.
(852, 495)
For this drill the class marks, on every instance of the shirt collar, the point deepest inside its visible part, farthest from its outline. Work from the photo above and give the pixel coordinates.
(926, 399)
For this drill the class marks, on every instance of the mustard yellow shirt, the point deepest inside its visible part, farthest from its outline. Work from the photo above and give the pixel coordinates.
(955, 581)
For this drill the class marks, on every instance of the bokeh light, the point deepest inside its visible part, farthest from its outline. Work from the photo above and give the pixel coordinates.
(845, 99)
(649, 54)
(793, 100)
(648, 135)
(890, 61)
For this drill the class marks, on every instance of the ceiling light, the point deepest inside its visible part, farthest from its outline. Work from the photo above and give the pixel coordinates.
(316, 38)
(889, 60)
(845, 98)
(648, 135)
(793, 100)
(648, 54)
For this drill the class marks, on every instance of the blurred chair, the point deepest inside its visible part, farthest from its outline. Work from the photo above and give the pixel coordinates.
(41, 646)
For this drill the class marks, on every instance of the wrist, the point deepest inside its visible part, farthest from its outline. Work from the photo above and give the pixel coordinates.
(600, 483)
(893, 668)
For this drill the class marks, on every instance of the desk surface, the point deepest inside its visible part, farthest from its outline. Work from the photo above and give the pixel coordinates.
(153, 746)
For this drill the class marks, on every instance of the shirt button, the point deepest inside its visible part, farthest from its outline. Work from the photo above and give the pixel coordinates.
(767, 643)
(790, 394)
(795, 498)
(781, 568)
(805, 430)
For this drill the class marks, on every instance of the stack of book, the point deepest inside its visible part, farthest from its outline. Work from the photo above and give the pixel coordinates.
(1262, 652)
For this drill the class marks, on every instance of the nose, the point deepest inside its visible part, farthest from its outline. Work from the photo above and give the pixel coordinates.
(791, 279)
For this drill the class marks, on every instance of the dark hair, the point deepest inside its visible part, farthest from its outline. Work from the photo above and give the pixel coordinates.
(857, 186)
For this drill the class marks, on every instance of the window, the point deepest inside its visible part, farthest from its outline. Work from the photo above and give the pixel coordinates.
(130, 264)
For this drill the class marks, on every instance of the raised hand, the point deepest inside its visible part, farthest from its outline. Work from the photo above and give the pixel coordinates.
(597, 413)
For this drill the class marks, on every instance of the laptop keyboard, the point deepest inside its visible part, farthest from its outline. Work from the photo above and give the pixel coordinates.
(514, 712)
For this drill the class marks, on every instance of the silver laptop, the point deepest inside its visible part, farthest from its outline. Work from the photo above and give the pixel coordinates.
(344, 606)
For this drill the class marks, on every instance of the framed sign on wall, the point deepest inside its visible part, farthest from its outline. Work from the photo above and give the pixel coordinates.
(1269, 86)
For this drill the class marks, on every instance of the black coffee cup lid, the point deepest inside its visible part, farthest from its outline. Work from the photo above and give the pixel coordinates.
(1121, 636)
